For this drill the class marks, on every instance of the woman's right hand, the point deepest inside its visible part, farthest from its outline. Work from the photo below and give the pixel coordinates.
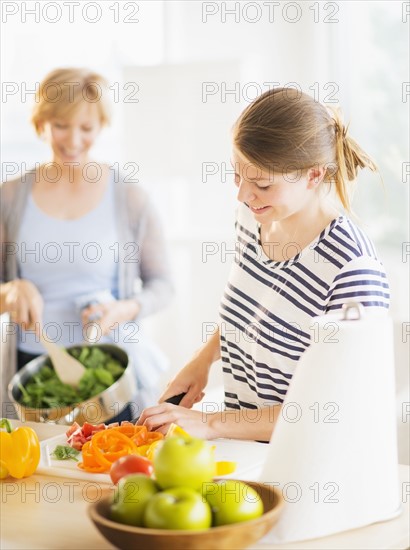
(191, 380)
(24, 302)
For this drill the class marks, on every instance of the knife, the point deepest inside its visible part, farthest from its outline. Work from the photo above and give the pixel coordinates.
(174, 400)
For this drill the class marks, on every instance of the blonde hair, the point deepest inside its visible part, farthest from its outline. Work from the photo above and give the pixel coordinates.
(63, 91)
(288, 130)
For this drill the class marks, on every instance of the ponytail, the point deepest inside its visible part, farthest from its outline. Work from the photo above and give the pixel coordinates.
(349, 158)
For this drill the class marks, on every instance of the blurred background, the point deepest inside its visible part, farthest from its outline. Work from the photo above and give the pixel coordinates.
(180, 72)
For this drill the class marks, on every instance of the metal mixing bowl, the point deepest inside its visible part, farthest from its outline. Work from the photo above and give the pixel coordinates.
(98, 408)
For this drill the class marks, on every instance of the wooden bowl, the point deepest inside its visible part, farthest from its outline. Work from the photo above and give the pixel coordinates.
(237, 535)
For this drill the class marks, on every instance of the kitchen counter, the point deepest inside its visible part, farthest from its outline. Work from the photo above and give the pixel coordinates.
(42, 512)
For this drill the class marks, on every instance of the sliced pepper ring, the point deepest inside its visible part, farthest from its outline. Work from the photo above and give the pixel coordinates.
(104, 446)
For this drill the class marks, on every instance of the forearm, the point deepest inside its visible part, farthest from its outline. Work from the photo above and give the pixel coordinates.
(257, 424)
(209, 352)
(253, 424)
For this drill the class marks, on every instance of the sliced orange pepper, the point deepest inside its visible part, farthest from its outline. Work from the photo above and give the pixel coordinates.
(105, 443)
(153, 436)
(140, 435)
(89, 464)
(107, 446)
(128, 429)
(88, 456)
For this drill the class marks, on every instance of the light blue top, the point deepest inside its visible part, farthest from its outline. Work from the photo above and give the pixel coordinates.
(67, 259)
(138, 267)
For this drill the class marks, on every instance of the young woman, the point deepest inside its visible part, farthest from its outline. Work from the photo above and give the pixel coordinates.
(79, 238)
(299, 257)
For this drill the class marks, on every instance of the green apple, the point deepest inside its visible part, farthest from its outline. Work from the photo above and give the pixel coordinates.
(178, 508)
(232, 501)
(182, 462)
(131, 497)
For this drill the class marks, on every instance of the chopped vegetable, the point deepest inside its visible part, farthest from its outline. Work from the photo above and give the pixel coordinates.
(152, 449)
(174, 429)
(78, 435)
(107, 446)
(65, 452)
(225, 467)
(19, 451)
(45, 389)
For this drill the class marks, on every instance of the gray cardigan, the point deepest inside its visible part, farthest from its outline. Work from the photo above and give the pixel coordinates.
(137, 222)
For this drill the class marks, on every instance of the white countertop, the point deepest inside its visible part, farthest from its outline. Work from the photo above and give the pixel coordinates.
(42, 512)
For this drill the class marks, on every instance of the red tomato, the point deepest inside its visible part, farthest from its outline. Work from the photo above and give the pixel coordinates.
(130, 464)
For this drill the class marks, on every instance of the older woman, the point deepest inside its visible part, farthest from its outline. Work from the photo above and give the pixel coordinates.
(79, 240)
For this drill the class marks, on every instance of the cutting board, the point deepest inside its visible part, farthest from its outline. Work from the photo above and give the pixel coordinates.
(249, 456)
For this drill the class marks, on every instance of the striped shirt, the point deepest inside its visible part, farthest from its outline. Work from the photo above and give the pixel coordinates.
(267, 307)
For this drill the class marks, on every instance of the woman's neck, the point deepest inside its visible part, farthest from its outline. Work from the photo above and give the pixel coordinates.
(318, 214)
(72, 174)
(298, 230)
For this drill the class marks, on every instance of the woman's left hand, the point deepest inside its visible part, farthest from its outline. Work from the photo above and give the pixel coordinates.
(109, 314)
(160, 417)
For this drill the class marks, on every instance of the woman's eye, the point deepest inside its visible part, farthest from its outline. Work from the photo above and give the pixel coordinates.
(263, 187)
(60, 126)
(87, 129)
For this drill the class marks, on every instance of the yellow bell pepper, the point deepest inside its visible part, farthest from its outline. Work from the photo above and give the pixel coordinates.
(174, 429)
(19, 451)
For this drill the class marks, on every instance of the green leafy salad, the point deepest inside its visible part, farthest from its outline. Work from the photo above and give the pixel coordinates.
(45, 389)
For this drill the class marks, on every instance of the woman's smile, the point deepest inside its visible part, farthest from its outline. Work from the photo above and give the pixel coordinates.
(70, 154)
(258, 209)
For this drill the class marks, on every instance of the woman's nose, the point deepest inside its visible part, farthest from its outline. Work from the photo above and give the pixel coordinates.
(245, 192)
(74, 138)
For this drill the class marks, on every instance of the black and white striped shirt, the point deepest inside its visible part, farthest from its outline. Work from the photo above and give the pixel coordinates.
(267, 307)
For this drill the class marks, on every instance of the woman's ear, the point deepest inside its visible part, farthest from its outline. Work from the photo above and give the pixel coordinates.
(43, 130)
(40, 130)
(315, 176)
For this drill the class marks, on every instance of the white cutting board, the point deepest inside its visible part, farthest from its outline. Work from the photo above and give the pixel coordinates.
(249, 456)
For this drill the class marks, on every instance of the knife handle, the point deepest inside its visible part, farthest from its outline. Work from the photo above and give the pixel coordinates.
(175, 399)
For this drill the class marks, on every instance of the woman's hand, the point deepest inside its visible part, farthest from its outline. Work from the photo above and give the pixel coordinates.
(24, 302)
(191, 380)
(256, 424)
(108, 314)
(161, 416)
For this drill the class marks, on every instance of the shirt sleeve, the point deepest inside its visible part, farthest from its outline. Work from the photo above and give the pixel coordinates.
(361, 280)
(8, 248)
(155, 272)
